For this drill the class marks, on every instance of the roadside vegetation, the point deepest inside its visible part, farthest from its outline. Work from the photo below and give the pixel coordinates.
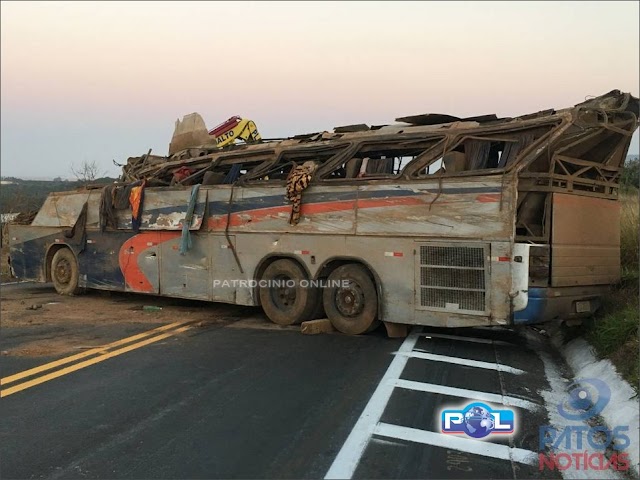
(22, 196)
(614, 330)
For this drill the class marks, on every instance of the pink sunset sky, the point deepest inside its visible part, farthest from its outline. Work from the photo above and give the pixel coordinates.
(102, 81)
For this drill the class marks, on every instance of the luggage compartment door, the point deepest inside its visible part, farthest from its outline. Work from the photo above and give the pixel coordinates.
(188, 275)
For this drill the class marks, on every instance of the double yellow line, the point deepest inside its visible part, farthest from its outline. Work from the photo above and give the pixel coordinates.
(99, 354)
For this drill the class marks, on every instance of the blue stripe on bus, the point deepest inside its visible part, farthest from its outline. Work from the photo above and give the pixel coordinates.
(269, 201)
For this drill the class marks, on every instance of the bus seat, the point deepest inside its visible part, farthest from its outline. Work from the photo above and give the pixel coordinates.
(213, 178)
(454, 162)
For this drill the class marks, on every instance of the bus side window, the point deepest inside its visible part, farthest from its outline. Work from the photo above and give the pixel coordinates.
(434, 168)
(363, 167)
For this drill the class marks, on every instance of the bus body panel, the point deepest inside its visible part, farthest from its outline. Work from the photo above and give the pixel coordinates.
(387, 227)
(383, 226)
(585, 241)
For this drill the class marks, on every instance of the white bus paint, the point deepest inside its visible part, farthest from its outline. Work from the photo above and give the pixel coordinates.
(461, 361)
(464, 393)
(346, 462)
(476, 447)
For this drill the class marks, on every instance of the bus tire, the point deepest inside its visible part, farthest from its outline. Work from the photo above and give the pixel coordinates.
(65, 272)
(287, 305)
(351, 309)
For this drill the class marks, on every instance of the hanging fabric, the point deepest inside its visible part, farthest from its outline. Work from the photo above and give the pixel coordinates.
(233, 174)
(136, 199)
(185, 240)
(513, 149)
(477, 153)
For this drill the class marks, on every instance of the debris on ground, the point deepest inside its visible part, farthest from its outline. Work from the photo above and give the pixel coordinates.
(151, 308)
(314, 327)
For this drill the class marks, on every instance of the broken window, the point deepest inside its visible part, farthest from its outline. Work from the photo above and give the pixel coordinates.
(479, 153)
(280, 168)
(227, 171)
(490, 153)
(376, 160)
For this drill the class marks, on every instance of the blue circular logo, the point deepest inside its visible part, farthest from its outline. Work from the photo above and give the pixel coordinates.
(478, 421)
(586, 398)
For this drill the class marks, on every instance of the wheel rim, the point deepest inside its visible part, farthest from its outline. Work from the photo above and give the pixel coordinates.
(63, 271)
(283, 297)
(349, 299)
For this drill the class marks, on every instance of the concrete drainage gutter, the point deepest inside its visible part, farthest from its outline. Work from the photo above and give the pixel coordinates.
(623, 406)
(588, 395)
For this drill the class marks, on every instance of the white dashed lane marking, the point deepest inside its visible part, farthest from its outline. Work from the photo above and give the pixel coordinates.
(464, 393)
(462, 361)
(349, 455)
(369, 423)
(468, 339)
(476, 447)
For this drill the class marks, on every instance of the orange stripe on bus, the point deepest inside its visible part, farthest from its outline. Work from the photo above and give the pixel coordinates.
(130, 253)
(242, 218)
(488, 198)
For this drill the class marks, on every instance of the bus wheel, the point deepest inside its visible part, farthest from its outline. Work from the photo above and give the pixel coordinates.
(350, 300)
(284, 299)
(64, 272)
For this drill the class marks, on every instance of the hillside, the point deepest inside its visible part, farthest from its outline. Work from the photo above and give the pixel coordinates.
(17, 195)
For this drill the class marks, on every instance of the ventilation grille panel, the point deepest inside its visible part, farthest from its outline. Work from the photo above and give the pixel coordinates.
(453, 278)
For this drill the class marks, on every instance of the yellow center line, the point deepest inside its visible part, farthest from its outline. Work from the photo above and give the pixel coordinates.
(88, 353)
(87, 363)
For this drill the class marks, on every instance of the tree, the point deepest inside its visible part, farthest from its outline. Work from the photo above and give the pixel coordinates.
(87, 172)
(631, 173)
(20, 199)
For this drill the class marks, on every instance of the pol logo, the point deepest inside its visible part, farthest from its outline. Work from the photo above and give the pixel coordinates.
(477, 420)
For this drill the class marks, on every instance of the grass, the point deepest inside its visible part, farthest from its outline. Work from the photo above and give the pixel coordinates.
(629, 227)
(614, 329)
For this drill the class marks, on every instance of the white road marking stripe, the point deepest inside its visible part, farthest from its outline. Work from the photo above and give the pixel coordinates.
(468, 339)
(16, 283)
(380, 441)
(464, 393)
(476, 447)
(349, 455)
(461, 361)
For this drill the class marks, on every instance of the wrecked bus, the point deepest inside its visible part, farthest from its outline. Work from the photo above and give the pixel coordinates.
(436, 220)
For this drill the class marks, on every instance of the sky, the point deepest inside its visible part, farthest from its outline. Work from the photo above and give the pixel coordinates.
(84, 81)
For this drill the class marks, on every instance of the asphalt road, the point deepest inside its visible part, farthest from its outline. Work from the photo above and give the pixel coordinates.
(239, 398)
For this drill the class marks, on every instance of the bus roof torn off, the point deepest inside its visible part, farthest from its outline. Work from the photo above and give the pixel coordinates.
(432, 144)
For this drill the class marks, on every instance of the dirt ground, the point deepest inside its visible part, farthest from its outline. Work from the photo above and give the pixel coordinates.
(51, 324)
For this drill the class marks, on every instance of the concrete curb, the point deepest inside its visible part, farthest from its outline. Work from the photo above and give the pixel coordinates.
(623, 407)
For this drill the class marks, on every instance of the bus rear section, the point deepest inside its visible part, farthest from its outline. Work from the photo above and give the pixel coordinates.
(571, 274)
